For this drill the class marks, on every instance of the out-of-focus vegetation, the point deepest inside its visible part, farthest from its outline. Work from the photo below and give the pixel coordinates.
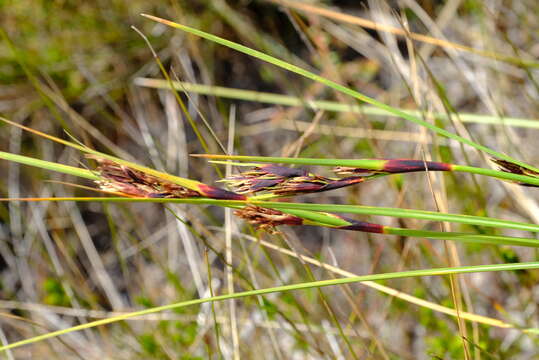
(74, 69)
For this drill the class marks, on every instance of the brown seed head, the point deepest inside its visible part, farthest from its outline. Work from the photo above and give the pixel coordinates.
(267, 219)
(262, 178)
(284, 181)
(120, 178)
(513, 168)
(508, 166)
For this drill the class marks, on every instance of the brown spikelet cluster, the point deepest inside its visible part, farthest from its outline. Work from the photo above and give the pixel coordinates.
(267, 219)
(262, 178)
(508, 166)
(513, 168)
(284, 181)
(123, 179)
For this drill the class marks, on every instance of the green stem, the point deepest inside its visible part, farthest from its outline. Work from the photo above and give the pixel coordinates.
(464, 237)
(286, 100)
(351, 209)
(48, 165)
(403, 213)
(301, 286)
(328, 220)
(338, 87)
(372, 164)
(316, 218)
(497, 174)
(188, 183)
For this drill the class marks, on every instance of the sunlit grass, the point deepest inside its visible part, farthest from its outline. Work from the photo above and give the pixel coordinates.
(71, 247)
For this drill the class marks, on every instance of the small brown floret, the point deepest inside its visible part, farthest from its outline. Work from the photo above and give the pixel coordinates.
(267, 219)
(513, 168)
(284, 181)
(123, 179)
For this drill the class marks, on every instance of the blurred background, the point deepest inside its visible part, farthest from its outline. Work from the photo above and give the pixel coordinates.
(78, 69)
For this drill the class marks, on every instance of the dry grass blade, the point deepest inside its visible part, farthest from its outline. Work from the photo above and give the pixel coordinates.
(356, 20)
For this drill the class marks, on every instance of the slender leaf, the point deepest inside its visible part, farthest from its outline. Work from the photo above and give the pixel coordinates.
(338, 87)
(372, 164)
(286, 100)
(329, 220)
(48, 165)
(301, 286)
(335, 208)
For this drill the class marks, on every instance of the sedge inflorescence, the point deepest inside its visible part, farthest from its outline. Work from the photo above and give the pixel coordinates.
(285, 181)
(123, 179)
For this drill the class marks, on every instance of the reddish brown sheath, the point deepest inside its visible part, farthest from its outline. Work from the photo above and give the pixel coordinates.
(396, 166)
(217, 193)
(364, 227)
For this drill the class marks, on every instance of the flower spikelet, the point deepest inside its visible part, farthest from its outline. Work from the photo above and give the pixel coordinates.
(267, 219)
(513, 168)
(123, 179)
(284, 181)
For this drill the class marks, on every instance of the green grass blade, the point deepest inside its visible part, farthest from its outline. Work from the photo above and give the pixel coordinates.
(286, 100)
(48, 165)
(404, 213)
(366, 163)
(371, 164)
(475, 318)
(338, 87)
(300, 286)
(334, 208)
(465, 237)
(188, 183)
(325, 219)
(498, 174)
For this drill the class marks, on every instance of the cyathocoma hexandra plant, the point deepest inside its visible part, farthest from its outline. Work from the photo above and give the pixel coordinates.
(136, 183)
